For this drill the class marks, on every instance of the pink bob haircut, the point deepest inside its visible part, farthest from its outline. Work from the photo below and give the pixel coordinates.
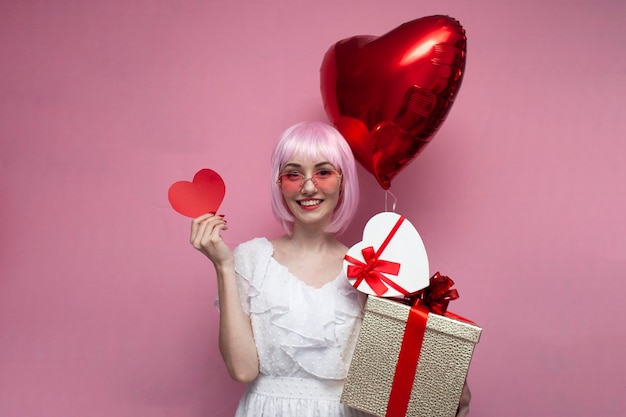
(314, 141)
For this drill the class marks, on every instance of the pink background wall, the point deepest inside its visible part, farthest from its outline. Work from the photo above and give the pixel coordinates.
(106, 310)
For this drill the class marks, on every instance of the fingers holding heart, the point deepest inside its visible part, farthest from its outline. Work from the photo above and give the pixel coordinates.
(206, 237)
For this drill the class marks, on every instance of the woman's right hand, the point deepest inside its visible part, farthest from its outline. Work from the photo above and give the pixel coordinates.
(206, 237)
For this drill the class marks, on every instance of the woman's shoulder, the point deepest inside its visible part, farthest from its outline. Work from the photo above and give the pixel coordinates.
(252, 253)
(253, 243)
(254, 247)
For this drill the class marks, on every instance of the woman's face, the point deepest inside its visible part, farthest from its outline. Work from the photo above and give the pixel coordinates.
(311, 190)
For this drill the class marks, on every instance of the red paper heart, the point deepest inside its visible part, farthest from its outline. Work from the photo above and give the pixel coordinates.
(203, 195)
(388, 95)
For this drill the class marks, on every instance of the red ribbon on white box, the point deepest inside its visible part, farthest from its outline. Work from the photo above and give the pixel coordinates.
(390, 260)
(373, 269)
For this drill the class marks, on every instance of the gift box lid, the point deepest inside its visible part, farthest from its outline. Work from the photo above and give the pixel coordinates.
(399, 311)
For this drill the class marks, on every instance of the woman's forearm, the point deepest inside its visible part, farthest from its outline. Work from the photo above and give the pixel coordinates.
(236, 340)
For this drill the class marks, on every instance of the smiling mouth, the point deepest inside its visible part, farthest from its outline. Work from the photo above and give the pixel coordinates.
(310, 203)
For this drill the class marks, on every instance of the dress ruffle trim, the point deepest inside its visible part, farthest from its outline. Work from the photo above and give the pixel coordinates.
(308, 332)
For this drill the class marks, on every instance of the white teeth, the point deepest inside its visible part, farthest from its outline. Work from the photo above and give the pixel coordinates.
(310, 202)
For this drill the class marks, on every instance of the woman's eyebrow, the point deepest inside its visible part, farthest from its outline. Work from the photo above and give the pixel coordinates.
(292, 165)
(296, 165)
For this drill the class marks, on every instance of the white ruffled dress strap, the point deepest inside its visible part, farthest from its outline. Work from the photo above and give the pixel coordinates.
(251, 262)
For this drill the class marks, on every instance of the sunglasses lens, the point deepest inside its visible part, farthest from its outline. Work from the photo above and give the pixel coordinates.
(291, 182)
(324, 177)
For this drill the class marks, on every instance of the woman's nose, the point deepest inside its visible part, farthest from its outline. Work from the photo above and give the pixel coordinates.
(308, 186)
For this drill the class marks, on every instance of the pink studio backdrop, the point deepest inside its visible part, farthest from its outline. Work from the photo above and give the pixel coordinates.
(106, 310)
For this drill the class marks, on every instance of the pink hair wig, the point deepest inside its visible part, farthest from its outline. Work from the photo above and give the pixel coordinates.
(314, 141)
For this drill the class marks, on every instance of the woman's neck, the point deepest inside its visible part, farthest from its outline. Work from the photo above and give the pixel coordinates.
(312, 240)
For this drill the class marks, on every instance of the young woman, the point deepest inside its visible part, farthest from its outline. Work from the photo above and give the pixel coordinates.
(289, 318)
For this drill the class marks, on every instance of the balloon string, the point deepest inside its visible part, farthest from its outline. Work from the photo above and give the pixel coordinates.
(395, 200)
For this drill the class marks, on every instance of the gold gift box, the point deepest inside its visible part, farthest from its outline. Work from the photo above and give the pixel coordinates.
(443, 363)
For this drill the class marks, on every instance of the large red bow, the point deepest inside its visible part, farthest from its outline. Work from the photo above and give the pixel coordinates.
(438, 294)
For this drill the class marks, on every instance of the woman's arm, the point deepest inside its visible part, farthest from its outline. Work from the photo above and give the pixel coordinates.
(236, 340)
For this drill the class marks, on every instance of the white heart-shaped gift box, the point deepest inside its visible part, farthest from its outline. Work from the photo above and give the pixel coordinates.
(391, 259)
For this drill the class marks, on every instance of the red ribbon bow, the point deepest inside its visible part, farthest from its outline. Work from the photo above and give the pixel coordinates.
(373, 269)
(438, 294)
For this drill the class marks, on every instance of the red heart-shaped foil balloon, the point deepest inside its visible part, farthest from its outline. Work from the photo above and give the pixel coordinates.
(389, 95)
(203, 195)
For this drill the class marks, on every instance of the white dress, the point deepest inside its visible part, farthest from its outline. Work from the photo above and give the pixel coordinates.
(304, 335)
